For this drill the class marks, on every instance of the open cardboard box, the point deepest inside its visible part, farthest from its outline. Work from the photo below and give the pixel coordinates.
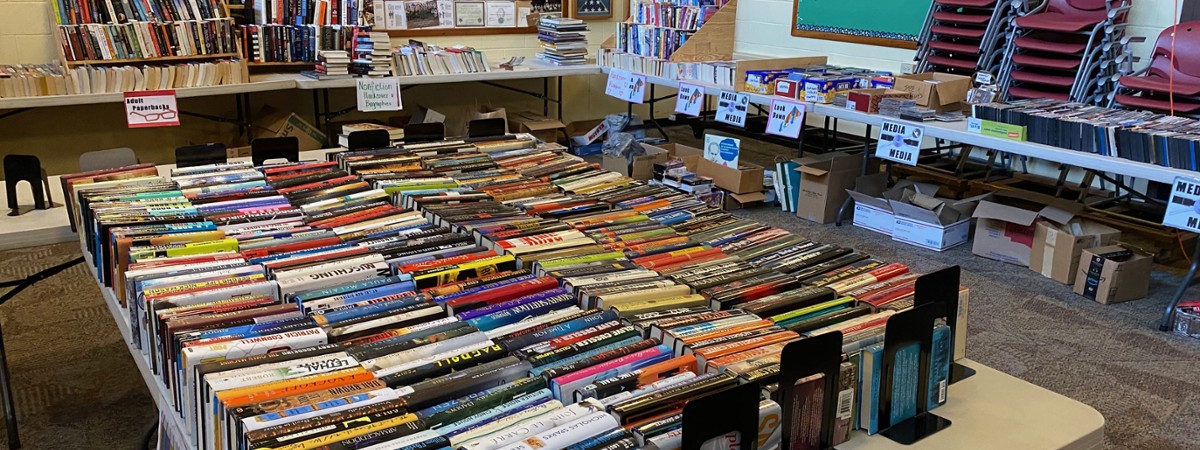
(867, 100)
(911, 213)
(745, 180)
(641, 167)
(1109, 281)
(1057, 247)
(1006, 233)
(585, 137)
(824, 180)
(939, 91)
(541, 127)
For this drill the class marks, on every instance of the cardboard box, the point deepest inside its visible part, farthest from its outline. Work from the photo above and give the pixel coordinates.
(872, 201)
(271, 122)
(939, 91)
(586, 136)
(793, 89)
(1057, 248)
(541, 127)
(1005, 233)
(739, 201)
(824, 182)
(1107, 280)
(642, 166)
(237, 152)
(867, 100)
(938, 226)
(746, 179)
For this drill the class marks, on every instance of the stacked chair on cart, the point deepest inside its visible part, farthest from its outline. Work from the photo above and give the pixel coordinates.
(1174, 69)
(964, 36)
(1071, 50)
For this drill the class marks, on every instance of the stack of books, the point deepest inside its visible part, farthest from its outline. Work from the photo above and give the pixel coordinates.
(39, 80)
(394, 133)
(417, 58)
(372, 54)
(563, 41)
(331, 64)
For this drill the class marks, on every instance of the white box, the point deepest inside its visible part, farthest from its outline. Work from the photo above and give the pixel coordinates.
(932, 236)
(874, 219)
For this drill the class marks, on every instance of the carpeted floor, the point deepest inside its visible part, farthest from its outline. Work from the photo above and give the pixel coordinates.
(77, 388)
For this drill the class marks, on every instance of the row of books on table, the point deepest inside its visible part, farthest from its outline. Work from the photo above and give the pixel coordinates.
(499, 294)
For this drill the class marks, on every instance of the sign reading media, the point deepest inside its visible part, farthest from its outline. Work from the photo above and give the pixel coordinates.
(900, 142)
(1183, 209)
(378, 94)
(731, 108)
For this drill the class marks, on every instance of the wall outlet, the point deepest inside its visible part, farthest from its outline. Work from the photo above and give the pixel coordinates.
(908, 67)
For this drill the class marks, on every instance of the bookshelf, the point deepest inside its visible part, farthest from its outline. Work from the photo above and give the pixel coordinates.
(160, 59)
(460, 31)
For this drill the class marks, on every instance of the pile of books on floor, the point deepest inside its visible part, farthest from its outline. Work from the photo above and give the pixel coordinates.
(1141, 136)
(417, 58)
(563, 40)
(498, 294)
(44, 79)
(372, 54)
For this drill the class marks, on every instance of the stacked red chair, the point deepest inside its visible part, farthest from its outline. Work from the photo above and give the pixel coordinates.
(1171, 82)
(1067, 50)
(964, 36)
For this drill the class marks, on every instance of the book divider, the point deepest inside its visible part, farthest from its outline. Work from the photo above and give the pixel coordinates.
(818, 354)
(715, 415)
(941, 288)
(904, 331)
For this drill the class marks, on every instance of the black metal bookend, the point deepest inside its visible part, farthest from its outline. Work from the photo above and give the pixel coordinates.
(941, 287)
(818, 354)
(715, 415)
(904, 330)
(486, 128)
(200, 155)
(18, 168)
(424, 132)
(265, 149)
(367, 139)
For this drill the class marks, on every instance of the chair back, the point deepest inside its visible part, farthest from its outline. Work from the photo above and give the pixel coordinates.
(107, 159)
(1186, 51)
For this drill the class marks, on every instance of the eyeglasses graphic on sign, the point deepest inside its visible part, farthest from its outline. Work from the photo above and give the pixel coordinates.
(155, 116)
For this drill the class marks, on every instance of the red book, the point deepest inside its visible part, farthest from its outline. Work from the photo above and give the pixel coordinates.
(445, 261)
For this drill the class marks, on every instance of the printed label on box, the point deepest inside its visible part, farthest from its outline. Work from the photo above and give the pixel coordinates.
(689, 100)
(900, 142)
(146, 109)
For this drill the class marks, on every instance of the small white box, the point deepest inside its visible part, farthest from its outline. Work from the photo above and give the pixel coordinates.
(874, 219)
(933, 236)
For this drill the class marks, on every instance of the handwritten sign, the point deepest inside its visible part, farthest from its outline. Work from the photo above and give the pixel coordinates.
(722, 150)
(1183, 209)
(900, 142)
(731, 109)
(144, 109)
(378, 94)
(689, 100)
(626, 85)
(787, 118)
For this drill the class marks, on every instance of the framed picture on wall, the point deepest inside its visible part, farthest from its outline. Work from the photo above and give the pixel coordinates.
(469, 14)
(593, 9)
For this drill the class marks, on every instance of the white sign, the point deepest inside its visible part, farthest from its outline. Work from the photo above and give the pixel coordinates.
(787, 118)
(378, 94)
(851, 105)
(732, 108)
(626, 85)
(812, 93)
(689, 100)
(722, 150)
(145, 109)
(900, 142)
(1183, 209)
(974, 125)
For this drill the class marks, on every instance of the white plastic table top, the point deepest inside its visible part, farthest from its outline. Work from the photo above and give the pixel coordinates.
(529, 70)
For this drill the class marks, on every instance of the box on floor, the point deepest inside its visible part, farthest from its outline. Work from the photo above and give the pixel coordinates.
(1006, 233)
(912, 213)
(1057, 248)
(1113, 274)
(275, 123)
(746, 179)
(541, 127)
(585, 137)
(640, 167)
(824, 182)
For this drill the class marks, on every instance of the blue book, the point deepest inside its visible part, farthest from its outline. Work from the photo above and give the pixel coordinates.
(302, 296)
(905, 377)
(939, 367)
(870, 372)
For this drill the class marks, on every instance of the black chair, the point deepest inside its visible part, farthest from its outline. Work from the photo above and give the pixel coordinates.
(424, 132)
(199, 155)
(263, 149)
(361, 140)
(107, 159)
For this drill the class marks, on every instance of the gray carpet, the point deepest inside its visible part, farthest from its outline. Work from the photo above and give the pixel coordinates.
(77, 387)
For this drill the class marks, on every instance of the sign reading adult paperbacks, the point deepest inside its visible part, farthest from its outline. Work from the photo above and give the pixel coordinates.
(787, 118)
(899, 142)
(145, 109)
(689, 100)
(378, 94)
(626, 85)
(731, 109)
(1183, 209)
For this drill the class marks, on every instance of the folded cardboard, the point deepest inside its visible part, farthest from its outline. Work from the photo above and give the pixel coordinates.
(1005, 233)
(541, 127)
(1057, 248)
(640, 167)
(275, 123)
(867, 100)
(586, 136)
(1112, 274)
(824, 181)
(939, 91)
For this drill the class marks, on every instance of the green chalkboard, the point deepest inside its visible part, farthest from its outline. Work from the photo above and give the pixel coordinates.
(892, 23)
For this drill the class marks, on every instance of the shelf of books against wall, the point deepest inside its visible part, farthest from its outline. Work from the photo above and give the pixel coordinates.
(665, 38)
(291, 33)
(423, 18)
(109, 32)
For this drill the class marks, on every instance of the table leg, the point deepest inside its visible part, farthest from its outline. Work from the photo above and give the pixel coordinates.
(545, 96)
(316, 109)
(866, 163)
(1188, 280)
(559, 95)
